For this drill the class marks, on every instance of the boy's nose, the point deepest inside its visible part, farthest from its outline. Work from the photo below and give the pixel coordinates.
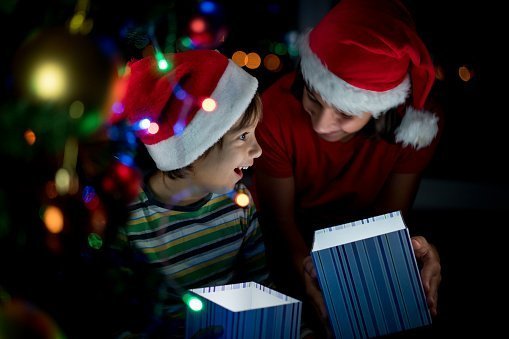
(256, 150)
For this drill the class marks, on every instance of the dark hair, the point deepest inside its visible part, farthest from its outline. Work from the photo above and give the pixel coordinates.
(252, 113)
(381, 128)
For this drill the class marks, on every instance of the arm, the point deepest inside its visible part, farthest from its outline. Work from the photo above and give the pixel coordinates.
(398, 194)
(277, 200)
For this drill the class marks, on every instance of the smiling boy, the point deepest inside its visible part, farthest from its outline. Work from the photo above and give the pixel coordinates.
(184, 221)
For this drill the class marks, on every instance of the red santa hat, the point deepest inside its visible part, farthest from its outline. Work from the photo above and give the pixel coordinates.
(174, 100)
(365, 56)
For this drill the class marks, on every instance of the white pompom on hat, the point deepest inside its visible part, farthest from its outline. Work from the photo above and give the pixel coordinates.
(173, 100)
(365, 56)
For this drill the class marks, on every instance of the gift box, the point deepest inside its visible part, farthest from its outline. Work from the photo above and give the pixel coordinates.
(245, 310)
(369, 277)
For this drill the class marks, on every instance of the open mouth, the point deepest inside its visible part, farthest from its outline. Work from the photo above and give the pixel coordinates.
(239, 169)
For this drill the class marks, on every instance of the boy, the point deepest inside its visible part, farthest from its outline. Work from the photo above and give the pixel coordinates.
(201, 117)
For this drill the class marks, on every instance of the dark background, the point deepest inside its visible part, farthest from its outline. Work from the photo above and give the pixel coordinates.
(460, 207)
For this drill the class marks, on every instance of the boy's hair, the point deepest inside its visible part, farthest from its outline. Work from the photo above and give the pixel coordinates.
(252, 114)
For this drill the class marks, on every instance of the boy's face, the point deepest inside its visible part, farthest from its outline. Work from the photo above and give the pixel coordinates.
(221, 168)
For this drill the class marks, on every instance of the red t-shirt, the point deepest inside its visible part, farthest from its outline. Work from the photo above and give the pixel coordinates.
(346, 176)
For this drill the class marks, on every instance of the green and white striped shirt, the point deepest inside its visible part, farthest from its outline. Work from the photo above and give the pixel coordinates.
(211, 242)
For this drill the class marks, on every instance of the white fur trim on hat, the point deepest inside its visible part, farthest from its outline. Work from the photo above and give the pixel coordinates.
(233, 93)
(418, 128)
(340, 94)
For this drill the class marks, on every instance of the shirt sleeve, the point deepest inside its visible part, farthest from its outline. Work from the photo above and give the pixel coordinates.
(274, 135)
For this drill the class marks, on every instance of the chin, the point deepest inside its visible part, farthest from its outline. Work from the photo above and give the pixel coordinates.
(223, 189)
(330, 138)
(334, 137)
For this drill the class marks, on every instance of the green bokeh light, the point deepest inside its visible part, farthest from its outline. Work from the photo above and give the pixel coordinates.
(193, 302)
(95, 241)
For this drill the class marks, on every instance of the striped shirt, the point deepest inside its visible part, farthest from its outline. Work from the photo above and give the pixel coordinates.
(211, 242)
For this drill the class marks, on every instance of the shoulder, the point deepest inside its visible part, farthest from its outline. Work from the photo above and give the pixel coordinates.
(279, 96)
(280, 105)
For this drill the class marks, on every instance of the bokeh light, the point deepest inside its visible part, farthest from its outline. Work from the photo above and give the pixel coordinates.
(76, 22)
(193, 302)
(272, 62)
(153, 128)
(30, 137)
(242, 199)
(207, 7)
(198, 25)
(209, 105)
(253, 60)
(464, 73)
(49, 80)
(144, 123)
(62, 181)
(95, 241)
(240, 58)
(76, 109)
(53, 219)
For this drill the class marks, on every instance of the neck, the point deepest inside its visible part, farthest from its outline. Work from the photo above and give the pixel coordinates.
(180, 191)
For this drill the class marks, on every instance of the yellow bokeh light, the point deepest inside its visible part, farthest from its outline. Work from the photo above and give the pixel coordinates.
(49, 81)
(76, 22)
(53, 219)
(240, 58)
(209, 105)
(62, 181)
(242, 199)
(253, 60)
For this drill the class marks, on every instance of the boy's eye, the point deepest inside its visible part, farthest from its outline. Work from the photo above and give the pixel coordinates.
(243, 136)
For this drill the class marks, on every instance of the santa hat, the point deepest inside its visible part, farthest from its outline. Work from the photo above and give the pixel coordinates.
(174, 100)
(365, 56)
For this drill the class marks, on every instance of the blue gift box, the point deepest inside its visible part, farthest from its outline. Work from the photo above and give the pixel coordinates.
(369, 277)
(245, 310)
